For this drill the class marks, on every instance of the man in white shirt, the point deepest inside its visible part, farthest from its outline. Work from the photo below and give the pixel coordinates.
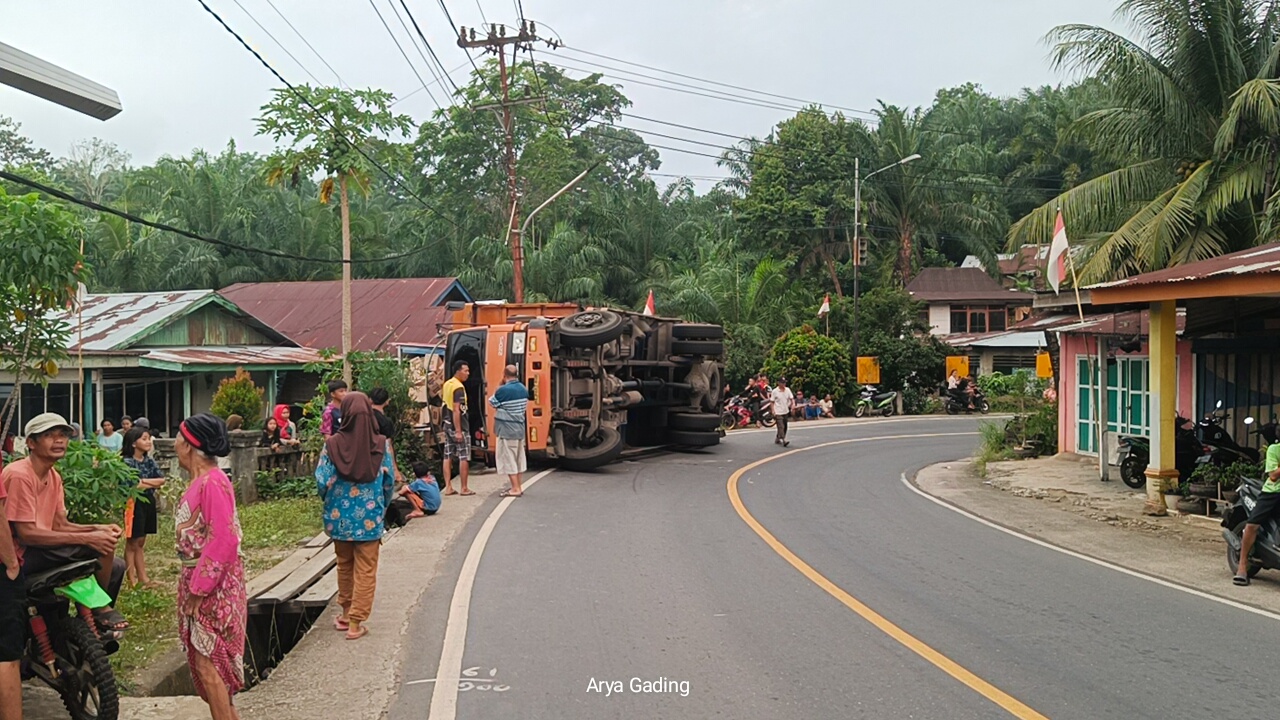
(783, 403)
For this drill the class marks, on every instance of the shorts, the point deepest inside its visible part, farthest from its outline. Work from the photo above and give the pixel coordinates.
(1268, 507)
(13, 618)
(510, 456)
(140, 516)
(453, 449)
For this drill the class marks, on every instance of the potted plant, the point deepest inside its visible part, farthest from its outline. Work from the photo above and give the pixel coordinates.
(1204, 481)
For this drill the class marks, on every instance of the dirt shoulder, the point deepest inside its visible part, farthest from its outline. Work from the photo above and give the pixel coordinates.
(1061, 501)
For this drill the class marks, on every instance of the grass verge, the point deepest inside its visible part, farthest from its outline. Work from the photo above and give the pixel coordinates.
(272, 529)
(992, 449)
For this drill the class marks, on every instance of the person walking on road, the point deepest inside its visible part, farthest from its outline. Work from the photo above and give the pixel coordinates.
(457, 435)
(783, 402)
(510, 425)
(356, 479)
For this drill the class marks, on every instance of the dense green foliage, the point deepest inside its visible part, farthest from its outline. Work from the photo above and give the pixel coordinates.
(97, 483)
(812, 363)
(238, 395)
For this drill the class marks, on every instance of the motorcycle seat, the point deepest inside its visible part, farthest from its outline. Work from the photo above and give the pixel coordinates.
(43, 583)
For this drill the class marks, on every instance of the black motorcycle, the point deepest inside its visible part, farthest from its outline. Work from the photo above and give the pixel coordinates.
(1265, 554)
(1135, 454)
(959, 402)
(1225, 450)
(65, 647)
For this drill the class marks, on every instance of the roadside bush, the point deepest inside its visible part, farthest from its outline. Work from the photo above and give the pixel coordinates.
(915, 401)
(97, 483)
(239, 396)
(273, 485)
(369, 370)
(811, 362)
(1019, 384)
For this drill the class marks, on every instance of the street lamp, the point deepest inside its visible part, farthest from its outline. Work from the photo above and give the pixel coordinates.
(854, 255)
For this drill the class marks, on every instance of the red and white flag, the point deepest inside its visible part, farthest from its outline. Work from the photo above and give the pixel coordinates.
(648, 305)
(826, 305)
(1057, 269)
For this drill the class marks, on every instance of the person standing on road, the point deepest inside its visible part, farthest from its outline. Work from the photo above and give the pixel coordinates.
(511, 427)
(457, 435)
(213, 604)
(356, 479)
(783, 402)
(1268, 504)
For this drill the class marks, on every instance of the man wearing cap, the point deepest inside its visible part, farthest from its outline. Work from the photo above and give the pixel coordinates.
(37, 511)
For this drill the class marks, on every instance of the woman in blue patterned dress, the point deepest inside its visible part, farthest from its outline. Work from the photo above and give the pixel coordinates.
(356, 479)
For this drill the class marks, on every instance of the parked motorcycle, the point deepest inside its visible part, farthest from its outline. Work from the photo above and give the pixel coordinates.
(737, 414)
(65, 649)
(870, 402)
(958, 402)
(1265, 554)
(1226, 451)
(1135, 454)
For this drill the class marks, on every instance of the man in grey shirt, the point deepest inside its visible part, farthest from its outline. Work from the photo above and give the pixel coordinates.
(511, 427)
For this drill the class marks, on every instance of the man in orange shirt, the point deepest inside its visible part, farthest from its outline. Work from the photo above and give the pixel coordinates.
(37, 512)
(13, 621)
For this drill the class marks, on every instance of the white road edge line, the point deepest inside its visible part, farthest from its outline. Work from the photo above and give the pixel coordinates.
(444, 697)
(1087, 558)
(859, 422)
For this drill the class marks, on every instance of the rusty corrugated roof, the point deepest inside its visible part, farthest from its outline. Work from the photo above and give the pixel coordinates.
(382, 310)
(110, 321)
(1262, 260)
(1133, 322)
(234, 356)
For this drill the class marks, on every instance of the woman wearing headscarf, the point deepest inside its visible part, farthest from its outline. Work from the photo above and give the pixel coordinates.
(288, 431)
(356, 479)
(212, 605)
(140, 515)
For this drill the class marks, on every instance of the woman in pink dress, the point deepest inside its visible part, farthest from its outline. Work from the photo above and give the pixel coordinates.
(212, 605)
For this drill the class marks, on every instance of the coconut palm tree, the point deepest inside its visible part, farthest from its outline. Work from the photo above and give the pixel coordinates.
(1192, 124)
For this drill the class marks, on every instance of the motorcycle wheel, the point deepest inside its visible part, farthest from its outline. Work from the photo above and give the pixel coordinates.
(888, 410)
(767, 420)
(860, 411)
(89, 690)
(728, 420)
(953, 409)
(985, 407)
(1132, 472)
(1233, 555)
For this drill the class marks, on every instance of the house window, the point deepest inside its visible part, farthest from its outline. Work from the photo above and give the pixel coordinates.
(978, 319)
(997, 320)
(959, 320)
(62, 398)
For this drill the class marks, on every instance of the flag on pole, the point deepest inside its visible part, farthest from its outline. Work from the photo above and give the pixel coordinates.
(826, 305)
(1057, 269)
(648, 305)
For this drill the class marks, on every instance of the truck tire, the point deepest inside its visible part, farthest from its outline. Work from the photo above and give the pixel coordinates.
(713, 348)
(697, 331)
(590, 328)
(607, 448)
(691, 438)
(701, 422)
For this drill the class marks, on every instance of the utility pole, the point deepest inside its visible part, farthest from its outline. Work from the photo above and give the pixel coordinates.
(496, 41)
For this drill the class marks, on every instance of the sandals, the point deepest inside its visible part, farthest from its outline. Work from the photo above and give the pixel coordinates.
(357, 633)
(1241, 580)
(109, 620)
(450, 491)
(467, 492)
(508, 493)
(340, 624)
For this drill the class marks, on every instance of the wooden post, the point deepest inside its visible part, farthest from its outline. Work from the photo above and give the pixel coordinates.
(1164, 402)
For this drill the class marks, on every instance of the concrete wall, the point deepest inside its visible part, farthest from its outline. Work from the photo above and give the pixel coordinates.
(940, 319)
(1075, 347)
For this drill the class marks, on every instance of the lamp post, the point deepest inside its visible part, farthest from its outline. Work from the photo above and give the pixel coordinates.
(854, 243)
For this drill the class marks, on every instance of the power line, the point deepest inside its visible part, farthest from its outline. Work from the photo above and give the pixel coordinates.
(396, 181)
(304, 39)
(435, 69)
(419, 89)
(68, 197)
(457, 91)
(482, 15)
(404, 54)
(277, 42)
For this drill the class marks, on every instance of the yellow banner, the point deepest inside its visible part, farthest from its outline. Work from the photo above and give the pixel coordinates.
(959, 363)
(868, 370)
(1044, 366)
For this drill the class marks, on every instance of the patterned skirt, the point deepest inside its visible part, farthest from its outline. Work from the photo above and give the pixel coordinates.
(217, 631)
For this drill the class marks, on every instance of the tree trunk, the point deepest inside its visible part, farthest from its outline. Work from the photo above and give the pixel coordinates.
(346, 278)
(831, 268)
(905, 253)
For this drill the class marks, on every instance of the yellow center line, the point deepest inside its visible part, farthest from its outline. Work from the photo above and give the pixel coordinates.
(1014, 706)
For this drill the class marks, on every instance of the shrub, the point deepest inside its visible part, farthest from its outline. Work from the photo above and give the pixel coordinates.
(369, 370)
(273, 485)
(239, 396)
(97, 483)
(810, 362)
(1020, 384)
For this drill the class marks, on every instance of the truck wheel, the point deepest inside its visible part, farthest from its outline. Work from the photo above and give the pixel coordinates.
(606, 448)
(690, 438)
(590, 328)
(703, 422)
(697, 331)
(714, 348)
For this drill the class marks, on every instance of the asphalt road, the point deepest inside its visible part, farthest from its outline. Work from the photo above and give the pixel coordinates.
(647, 571)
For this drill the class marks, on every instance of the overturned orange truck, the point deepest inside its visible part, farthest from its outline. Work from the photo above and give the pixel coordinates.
(600, 380)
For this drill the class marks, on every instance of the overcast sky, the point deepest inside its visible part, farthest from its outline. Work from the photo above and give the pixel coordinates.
(185, 83)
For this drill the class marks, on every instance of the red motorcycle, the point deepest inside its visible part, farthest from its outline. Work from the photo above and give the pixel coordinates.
(737, 414)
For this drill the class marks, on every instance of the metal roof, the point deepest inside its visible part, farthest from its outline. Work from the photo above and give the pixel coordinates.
(382, 310)
(111, 321)
(962, 284)
(246, 356)
(1000, 339)
(1129, 323)
(1262, 260)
